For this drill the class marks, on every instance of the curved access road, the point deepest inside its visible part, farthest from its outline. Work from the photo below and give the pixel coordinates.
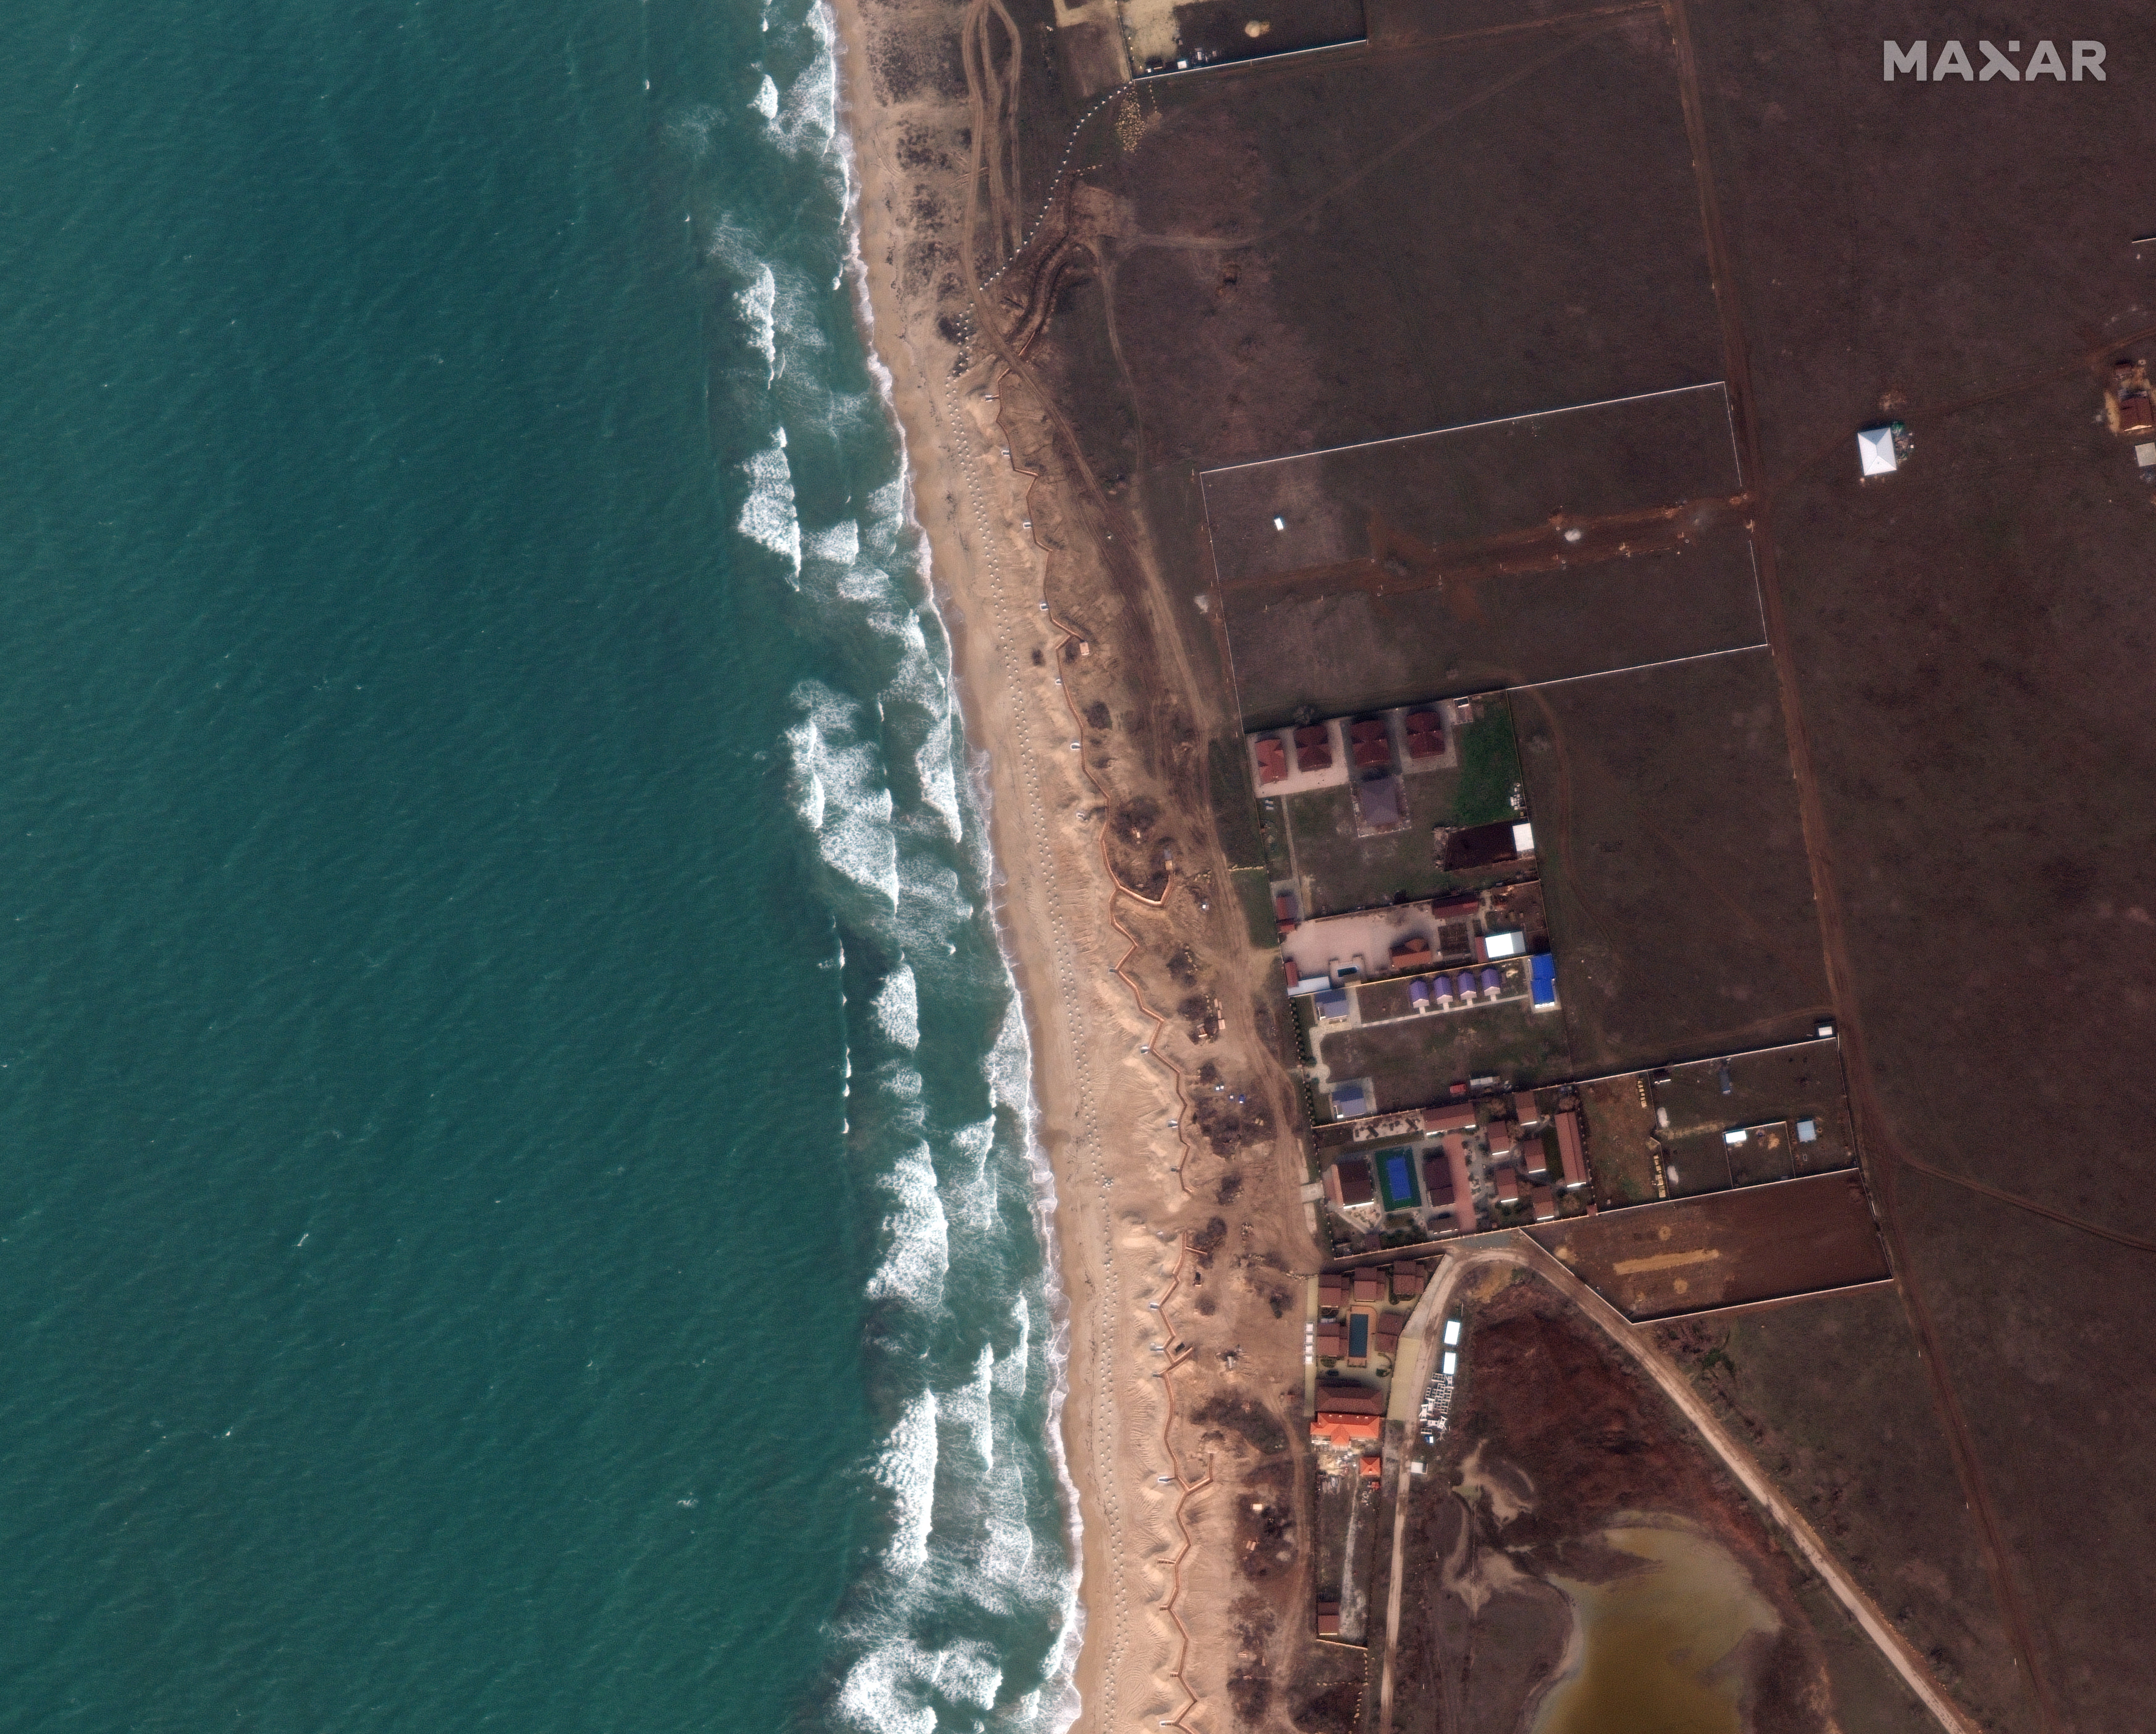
(1521, 1251)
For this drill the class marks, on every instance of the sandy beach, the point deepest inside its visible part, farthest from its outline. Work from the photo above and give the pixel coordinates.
(1177, 1306)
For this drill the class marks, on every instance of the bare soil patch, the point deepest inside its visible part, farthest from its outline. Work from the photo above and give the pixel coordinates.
(1240, 338)
(1464, 485)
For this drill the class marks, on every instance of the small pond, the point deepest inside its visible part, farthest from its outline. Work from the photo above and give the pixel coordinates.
(1652, 1649)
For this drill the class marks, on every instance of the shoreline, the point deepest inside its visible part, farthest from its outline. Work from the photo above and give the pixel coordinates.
(1062, 1677)
(1132, 1168)
(1073, 1673)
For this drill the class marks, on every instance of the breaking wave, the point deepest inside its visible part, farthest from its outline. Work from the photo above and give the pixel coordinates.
(964, 1610)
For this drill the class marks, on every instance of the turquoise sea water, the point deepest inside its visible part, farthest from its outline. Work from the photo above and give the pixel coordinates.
(515, 1210)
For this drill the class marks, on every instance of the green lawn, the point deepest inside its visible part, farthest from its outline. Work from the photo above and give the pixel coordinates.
(1235, 804)
(1489, 770)
(1344, 871)
(1253, 891)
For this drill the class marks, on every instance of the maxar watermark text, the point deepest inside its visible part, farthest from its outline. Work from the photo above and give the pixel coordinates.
(1954, 62)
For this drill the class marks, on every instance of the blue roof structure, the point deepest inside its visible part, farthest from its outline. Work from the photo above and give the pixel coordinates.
(1332, 1003)
(1541, 980)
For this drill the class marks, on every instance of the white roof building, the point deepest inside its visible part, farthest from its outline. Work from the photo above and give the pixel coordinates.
(1875, 451)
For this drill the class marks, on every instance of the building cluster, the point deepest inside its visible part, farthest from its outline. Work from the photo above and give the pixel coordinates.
(1521, 1154)
(1408, 938)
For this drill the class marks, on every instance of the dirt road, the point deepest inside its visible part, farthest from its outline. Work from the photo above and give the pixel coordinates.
(1518, 1251)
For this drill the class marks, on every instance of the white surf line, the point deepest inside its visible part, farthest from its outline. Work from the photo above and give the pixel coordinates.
(1639, 668)
(1105, 1427)
(1535, 415)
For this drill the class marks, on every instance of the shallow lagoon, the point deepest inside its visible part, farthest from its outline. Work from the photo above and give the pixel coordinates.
(1652, 1651)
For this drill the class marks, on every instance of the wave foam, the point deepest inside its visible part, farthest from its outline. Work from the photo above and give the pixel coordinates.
(906, 1469)
(897, 1008)
(756, 304)
(836, 781)
(768, 515)
(916, 1235)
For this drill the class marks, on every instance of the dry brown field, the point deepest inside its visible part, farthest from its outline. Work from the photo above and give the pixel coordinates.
(1967, 647)
(1673, 862)
(1831, 1396)
(1758, 1243)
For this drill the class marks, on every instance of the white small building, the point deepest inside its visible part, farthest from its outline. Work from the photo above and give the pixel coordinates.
(1875, 453)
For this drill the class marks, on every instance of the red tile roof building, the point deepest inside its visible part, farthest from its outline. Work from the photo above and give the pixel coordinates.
(1571, 1153)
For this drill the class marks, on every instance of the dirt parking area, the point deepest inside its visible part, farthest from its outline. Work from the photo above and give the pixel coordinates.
(1758, 1243)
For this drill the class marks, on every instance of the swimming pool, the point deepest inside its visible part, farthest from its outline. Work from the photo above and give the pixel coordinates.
(1396, 1179)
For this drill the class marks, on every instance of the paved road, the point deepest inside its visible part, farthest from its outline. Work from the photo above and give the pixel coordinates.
(1519, 1251)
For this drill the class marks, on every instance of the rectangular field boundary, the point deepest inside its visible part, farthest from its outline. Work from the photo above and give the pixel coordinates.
(1249, 62)
(1706, 1312)
(1641, 668)
(1500, 421)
